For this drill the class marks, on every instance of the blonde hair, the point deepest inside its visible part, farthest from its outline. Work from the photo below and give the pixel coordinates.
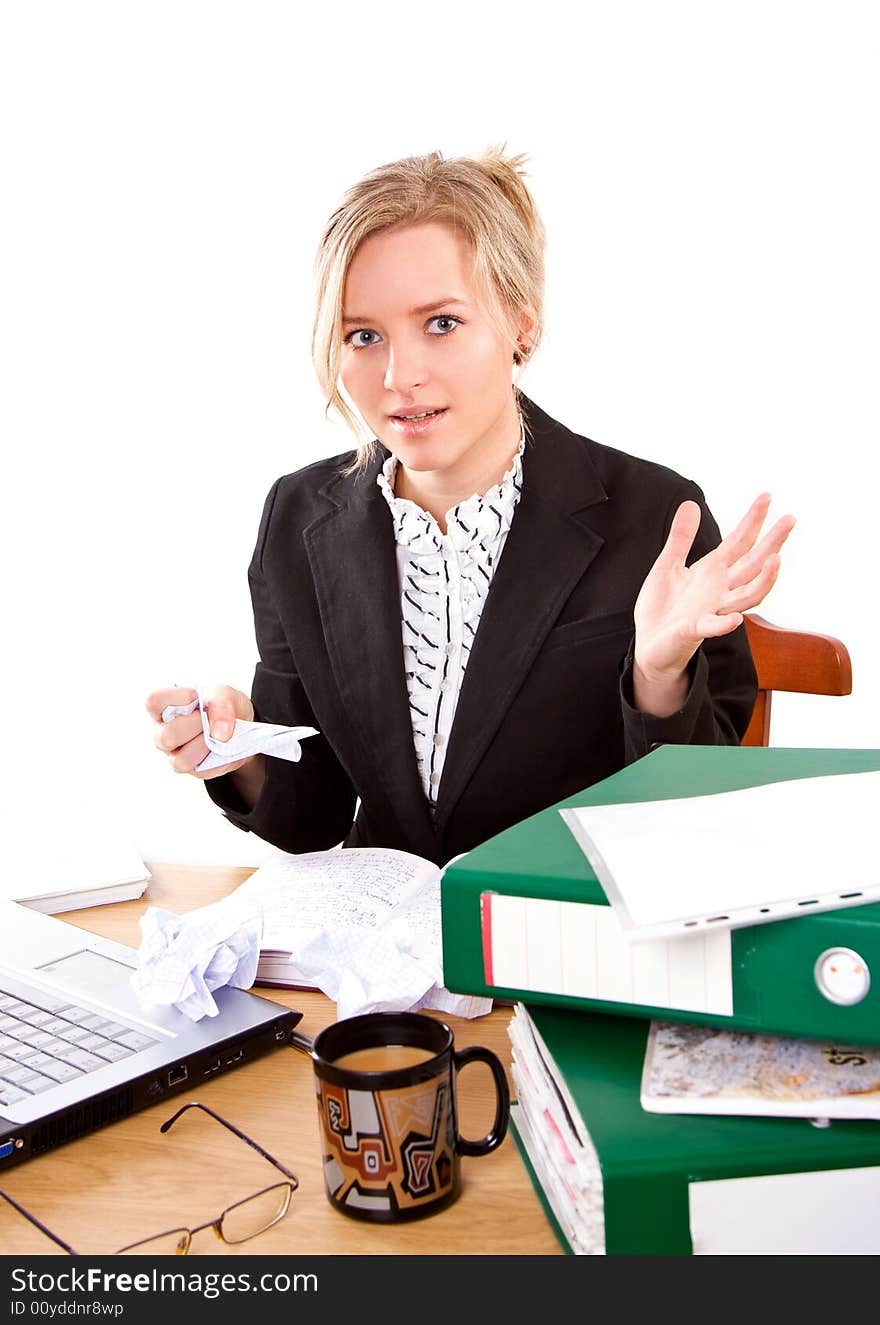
(485, 199)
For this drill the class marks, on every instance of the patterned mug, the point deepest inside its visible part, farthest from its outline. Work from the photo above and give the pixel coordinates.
(386, 1102)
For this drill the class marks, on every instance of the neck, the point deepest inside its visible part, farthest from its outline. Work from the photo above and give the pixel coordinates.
(438, 491)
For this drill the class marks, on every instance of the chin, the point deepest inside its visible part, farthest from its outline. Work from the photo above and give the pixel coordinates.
(421, 459)
(420, 462)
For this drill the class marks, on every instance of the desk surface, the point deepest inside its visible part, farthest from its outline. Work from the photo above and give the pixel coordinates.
(127, 1180)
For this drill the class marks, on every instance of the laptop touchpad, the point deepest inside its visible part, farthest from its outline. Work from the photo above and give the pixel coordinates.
(91, 973)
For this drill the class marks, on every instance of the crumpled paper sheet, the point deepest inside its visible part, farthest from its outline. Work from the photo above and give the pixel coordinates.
(183, 959)
(383, 970)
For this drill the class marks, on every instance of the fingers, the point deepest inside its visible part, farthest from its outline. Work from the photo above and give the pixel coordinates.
(187, 757)
(179, 696)
(714, 626)
(171, 736)
(747, 567)
(740, 546)
(682, 533)
(756, 590)
(742, 538)
(223, 705)
(683, 604)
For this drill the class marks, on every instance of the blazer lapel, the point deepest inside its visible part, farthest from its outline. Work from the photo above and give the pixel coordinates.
(547, 551)
(354, 566)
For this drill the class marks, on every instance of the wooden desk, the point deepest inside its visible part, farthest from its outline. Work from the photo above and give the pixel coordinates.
(127, 1180)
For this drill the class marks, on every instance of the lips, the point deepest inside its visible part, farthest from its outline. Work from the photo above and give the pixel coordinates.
(422, 425)
(416, 416)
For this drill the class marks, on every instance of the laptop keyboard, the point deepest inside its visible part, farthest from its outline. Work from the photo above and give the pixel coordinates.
(45, 1046)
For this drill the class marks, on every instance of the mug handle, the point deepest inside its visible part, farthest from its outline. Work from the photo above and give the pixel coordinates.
(493, 1138)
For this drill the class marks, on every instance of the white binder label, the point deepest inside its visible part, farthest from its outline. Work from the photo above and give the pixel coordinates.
(538, 945)
(826, 1212)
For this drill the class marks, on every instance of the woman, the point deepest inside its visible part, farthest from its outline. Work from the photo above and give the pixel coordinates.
(480, 611)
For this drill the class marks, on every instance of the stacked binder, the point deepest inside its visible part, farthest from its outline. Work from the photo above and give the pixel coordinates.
(614, 1177)
(619, 1180)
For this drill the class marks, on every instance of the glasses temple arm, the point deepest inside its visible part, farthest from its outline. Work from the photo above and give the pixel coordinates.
(32, 1219)
(194, 1104)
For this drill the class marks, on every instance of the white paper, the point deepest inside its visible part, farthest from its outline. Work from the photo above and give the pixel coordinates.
(556, 1139)
(828, 1212)
(248, 738)
(183, 959)
(361, 925)
(83, 853)
(735, 858)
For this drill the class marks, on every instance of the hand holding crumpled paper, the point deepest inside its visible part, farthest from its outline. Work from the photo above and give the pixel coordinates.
(248, 738)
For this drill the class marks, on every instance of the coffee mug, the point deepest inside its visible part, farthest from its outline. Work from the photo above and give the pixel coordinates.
(386, 1102)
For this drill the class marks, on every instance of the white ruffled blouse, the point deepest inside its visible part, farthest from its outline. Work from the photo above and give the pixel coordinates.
(444, 580)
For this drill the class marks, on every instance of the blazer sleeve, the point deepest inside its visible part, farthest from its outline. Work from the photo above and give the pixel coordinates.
(304, 806)
(723, 682)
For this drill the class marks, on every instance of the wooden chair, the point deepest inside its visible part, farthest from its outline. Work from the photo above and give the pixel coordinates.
(794, 660)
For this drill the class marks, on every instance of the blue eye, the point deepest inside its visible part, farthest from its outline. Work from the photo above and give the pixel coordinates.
(452, 322)
(358, 339)
(361, 345)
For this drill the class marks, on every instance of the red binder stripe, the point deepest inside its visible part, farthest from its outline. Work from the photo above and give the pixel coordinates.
(486, 927)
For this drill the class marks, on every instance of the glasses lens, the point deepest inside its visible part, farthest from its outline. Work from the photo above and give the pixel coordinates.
(257, 1213)
(173, 1243)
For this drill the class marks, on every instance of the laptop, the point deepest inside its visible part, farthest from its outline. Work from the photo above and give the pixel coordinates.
(77, 1048)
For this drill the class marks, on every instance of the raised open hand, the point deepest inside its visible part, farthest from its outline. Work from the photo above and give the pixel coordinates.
(679, 605)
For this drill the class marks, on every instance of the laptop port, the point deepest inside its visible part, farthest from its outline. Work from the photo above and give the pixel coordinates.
(211, 1068)
(6, 1149)
(177, 1074)
(235, 1058)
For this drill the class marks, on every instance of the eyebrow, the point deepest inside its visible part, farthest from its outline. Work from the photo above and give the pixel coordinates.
(423, 308)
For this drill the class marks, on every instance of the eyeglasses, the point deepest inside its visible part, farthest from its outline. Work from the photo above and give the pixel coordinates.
(240, 1222)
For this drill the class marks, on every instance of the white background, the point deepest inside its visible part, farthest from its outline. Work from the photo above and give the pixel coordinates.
(708, 176)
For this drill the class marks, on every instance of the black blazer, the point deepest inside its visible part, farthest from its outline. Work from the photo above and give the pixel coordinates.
(546, 704)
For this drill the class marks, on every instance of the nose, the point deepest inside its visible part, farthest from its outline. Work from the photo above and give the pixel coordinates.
(405, 370)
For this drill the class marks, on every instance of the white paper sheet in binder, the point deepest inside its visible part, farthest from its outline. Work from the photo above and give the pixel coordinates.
(735, 858)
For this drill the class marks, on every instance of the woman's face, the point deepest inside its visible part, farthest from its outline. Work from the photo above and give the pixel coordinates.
(417, 339)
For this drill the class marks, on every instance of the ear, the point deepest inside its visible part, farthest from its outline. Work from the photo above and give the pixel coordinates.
(524, 345)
